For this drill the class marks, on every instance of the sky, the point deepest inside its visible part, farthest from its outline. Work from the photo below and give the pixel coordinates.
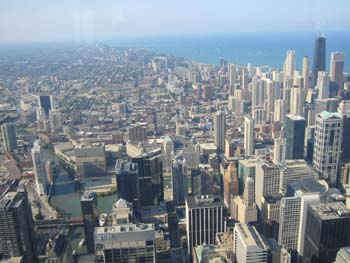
(23, 21)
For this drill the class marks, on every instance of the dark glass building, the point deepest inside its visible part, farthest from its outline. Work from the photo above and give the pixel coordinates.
(127, 182)
(45, 102)
(16, 227)
(319, 59)
(89, 213)
(327, 230)
(295, 135)
(150, 177)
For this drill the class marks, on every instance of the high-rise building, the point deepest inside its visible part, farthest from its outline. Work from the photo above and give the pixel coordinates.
(191, 154)
(8, 132)
(46, 102)
(90, 160)
(168, 147)
(231, 184)
(280, 110)
(289, 64)
(306, 72)
(204, 218)
(248, 245)
(327, 230)
(137, 133)
(327, 145)
(127, 182)
(41, 179)
(179, 179)
(323, 85)
(125, 243)
(233, 74)
(319, 59)
(248, 136)
(89, 213)
(267, 180)
(16, 227)
(337, 69)
(246, 168)
(55, 118)
(296, 101)
(295, 136)
(150, 177)
(220, 130)
(279, 150)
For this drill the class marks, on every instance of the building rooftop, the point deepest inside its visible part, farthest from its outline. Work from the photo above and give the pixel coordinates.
(326, 115)
(251, 236)
(328, 211)
(295, 117)
(204, 201)
(88, 196)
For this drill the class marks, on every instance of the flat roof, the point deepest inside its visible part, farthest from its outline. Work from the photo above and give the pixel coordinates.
(328, 211)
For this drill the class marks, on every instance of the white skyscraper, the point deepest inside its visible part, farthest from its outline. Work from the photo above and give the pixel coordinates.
(39, 168)
(279, 150)
(248, 246)
(168, 147)
(248, 136)
(327, 145)
(280, 110)
(323, 85)
(55, 120)
(258, 92)
(220, 130)
(233, 73)
(289, 64)
(337, 68)
(305, 72)
(296, 101)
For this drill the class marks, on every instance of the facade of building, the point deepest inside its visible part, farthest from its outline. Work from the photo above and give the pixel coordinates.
(8, 131)
(319, 63)
(90, 160)
(248, 136)
(179, 179)
(295, 136)
(231, 184)
(41, 178)
(220, 130)
(89, 213)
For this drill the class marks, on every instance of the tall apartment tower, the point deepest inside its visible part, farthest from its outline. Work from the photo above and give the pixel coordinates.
(319, 59)
(248, 135)
(296, 101)
(295, 136)
(337, 69)
(204, 218)
(323, 85)
(248, 245)
(16, 227)
(8, 132)
(289, 64)
(327, 145)
(267, 180)
(306, 72)
(279, 150)
(231, 184)
(220, 130)
(41, 179)
(168, 147)
(327, 230)
(280, 110)
(179, 179)
(89, 213)
(233, 74)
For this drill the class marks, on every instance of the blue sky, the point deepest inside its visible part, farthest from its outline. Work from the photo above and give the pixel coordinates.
(75, 20)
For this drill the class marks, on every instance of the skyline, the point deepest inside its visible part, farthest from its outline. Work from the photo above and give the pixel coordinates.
(41, 21)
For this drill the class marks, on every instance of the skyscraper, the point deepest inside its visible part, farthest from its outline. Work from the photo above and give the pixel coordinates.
(327, 145)
(8, 131)
(296, 101)
(280, 110)
(289, 64)
(233, 74)
(179, 179)
(168, 147)
(295, 136)
(127, 182)
(55, 118)
(327, 230)
(231, 184)
(150, 177)
(248, 245)
(204, 218)
(89, 213)
(323, 85)
(41, 179)
(319, 59)
(279, 150)
(16, 227)
(46, 102)
(220, 130)
(337, 69)
(248, 136)
(306, 72)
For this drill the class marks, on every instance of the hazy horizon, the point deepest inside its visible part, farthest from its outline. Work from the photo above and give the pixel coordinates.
(39, 21)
